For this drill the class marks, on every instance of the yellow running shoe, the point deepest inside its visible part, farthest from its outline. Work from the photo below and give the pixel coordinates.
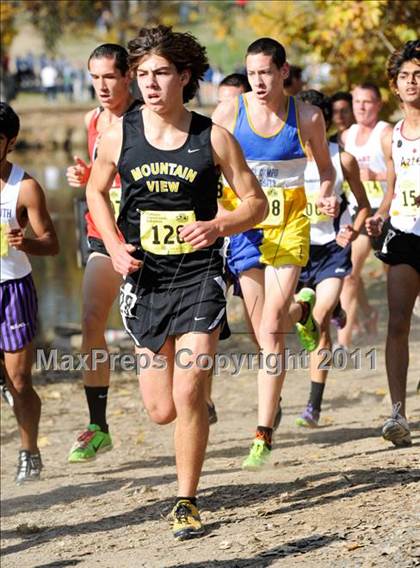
(186, 522)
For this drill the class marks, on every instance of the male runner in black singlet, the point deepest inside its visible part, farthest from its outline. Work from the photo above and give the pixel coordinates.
(172, 302)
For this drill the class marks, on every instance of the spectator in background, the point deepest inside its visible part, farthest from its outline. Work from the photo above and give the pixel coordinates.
(343, 117)
(43, 61)
(49, 77)
(232, 85)
(68, 80)
(217, 76)
(294, 82)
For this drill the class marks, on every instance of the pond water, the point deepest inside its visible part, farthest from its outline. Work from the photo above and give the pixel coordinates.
(58, 279)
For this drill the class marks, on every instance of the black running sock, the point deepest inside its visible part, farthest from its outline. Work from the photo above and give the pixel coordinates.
(315, 397)
(97, 398)
(192, 500)
(305, 311)
(266, 434)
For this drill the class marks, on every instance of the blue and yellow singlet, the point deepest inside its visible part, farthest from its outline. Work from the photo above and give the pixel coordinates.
(278, 162)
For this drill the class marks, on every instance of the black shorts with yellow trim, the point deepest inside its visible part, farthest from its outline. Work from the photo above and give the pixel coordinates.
(152, 315)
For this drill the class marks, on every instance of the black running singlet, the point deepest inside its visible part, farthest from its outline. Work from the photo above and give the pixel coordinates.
(163, 190)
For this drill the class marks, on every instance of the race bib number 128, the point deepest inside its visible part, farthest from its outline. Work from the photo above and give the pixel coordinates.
(159, 231)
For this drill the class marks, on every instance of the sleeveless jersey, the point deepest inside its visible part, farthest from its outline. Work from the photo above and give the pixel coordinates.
(163, 190)
(323, 228)
(93, 137)
(405, 214)
(278, 162)
(14, 263)
(369, 155)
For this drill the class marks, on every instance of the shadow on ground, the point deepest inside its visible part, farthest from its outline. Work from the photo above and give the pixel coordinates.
(284, 498)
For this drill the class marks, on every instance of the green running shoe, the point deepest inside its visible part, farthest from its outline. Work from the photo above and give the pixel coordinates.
(308, 332)
(91, 442)
(259, 455)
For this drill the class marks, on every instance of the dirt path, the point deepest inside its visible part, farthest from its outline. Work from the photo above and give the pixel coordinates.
(336, 496)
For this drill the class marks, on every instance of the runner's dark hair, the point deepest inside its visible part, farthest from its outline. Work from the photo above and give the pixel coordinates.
(181, 49)
(9, 121)
(112, 51)
(236, 80)
(295, 72)
(342, 96)
(410, 51)
(268, 46)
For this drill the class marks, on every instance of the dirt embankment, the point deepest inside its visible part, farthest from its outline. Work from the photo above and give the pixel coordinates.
(52, 128)
(57, 127)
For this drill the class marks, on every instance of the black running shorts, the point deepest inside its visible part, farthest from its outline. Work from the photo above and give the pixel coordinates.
(150, 316)
(97, 245)
(401, 248)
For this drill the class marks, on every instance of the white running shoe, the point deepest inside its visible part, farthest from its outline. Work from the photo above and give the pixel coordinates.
(396, 429)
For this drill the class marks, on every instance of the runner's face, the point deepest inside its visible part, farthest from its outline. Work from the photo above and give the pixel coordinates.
(160, 83)
(264, 76)
(343, 116)
(111, 87)
(366, 106)
(408, 82)
(227, 92)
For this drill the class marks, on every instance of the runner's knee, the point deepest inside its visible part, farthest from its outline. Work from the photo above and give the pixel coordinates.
(22, 383)
(398, 324)
(94, 320)
(161, 413)
(188, 394)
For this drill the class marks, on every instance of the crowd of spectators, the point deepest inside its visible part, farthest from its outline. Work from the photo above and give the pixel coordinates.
(50, 76)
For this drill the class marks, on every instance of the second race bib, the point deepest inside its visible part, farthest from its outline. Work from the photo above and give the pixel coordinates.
(4, 243)
(404, 202)
(275, 197)
(312, 212)
(373, 189)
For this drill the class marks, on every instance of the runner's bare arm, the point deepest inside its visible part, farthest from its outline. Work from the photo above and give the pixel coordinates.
(97, 193)
(313, 130)
(225, 113)
(351, 173)
(381, 176)
(374, 224)
(253, 207)
(78, 174)
(32, 208)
